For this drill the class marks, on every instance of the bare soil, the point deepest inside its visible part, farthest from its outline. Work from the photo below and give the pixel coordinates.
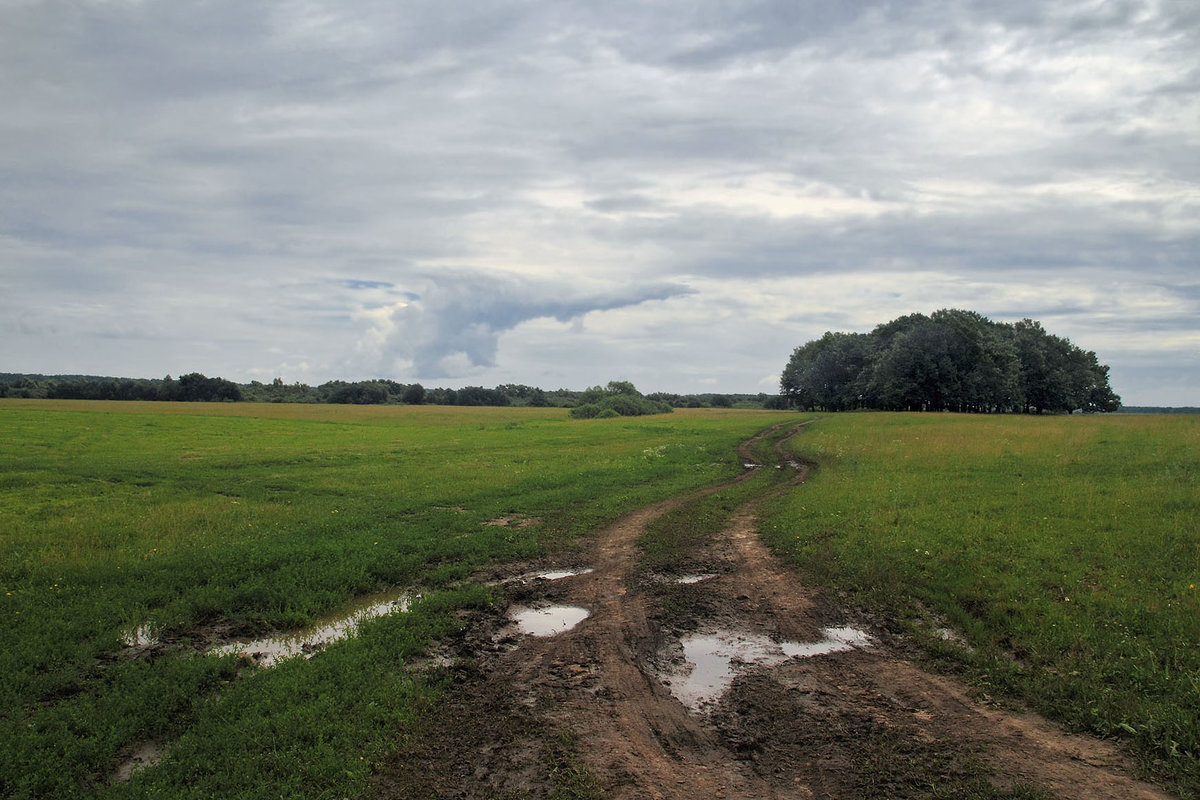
(589, 712)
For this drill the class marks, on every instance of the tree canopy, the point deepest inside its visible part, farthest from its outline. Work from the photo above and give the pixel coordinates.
(951, 360)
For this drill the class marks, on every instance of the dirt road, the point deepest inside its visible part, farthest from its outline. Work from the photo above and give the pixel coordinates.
(737, 682)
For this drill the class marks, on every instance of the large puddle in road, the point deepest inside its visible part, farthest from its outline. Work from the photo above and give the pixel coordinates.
(712, 660)
(548, 620)
(270, 650)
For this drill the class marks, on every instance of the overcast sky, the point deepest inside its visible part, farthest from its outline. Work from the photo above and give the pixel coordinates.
(566, 193)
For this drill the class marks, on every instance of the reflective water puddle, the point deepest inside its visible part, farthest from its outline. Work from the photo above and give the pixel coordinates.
(548, 620)
(141, 636)
(270, 650)
(548, 575)
(713, 660)
(559, 574)
(836, 640)
(687, 580)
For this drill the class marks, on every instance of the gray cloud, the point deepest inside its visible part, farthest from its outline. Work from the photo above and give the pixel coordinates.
(464, 315)
(279, 175)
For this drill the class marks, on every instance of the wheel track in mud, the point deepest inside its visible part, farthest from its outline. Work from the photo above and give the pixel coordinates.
(596, 686)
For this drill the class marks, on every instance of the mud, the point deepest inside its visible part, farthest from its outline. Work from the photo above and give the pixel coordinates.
(597, 710)
(513, 521)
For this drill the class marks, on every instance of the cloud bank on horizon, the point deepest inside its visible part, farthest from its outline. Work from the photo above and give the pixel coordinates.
(565, 193)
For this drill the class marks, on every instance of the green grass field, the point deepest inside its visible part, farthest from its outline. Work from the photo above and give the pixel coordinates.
(1065, 549)
(195, 518)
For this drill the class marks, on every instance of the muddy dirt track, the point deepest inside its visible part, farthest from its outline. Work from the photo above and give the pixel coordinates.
(590, 712)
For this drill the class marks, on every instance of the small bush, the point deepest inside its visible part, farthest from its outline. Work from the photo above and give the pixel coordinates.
(620, 399)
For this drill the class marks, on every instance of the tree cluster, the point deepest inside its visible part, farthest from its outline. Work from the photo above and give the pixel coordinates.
(952, 360)
(193, 387)
(618, 399)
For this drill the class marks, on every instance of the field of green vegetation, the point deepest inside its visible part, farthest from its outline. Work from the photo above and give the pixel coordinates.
(207, 520)
(1065, 549)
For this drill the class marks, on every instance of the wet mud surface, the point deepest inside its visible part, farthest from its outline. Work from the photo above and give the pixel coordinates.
(753, 686)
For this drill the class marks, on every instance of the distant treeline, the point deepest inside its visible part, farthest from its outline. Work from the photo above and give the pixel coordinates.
(1158, 410)
(952, 360)
(190, 387)
(618, 396)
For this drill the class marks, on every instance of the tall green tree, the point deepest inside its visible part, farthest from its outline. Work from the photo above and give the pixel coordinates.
(825, 373)
(952, 360)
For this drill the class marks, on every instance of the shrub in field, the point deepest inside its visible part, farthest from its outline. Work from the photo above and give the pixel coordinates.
(618, 399)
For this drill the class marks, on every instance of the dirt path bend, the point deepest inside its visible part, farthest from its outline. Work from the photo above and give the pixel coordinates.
(613, 707)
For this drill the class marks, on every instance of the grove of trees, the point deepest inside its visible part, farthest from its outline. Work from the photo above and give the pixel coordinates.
(190, 387)
(951, 360)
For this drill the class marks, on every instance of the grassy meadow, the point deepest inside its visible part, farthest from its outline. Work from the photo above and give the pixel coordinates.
(1063, 551)
(201, 520)
(1066, 550)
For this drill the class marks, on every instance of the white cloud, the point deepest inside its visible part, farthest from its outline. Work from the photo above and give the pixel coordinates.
(490, 191)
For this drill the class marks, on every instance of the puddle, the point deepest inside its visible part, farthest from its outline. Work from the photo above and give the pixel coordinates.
(141, 636)
(548, 575)
(837, 640)
(146, 755)
(559, 574)
(548, 620)
(688, 580)
(713, 660)
(270, 650)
